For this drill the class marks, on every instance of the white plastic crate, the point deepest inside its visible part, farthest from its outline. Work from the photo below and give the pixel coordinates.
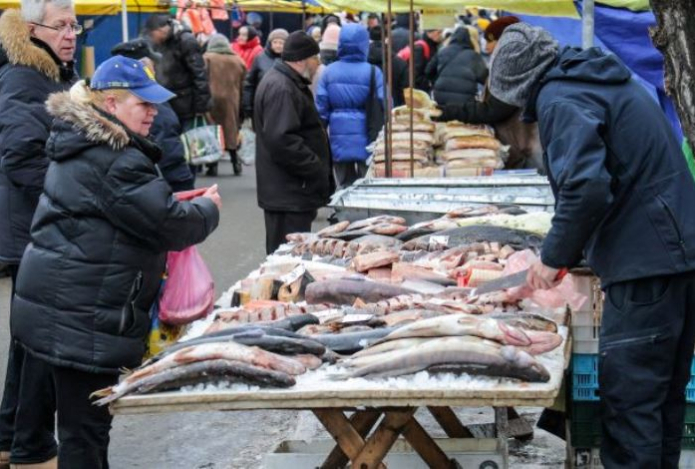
(586, 323)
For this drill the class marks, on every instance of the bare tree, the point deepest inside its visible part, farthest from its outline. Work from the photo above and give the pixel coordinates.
(674, 36)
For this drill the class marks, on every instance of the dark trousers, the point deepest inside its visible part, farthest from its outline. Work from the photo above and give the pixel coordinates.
(27, 413)
(279, 224)
(646, 348)
(347, 173)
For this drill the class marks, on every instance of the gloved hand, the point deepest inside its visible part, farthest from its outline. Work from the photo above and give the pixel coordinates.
(450, 112)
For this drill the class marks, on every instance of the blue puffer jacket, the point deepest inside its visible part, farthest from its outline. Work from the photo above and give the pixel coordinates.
(342, 95)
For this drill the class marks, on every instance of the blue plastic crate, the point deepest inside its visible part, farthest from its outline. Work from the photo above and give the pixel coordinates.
(585, 377)
(690, 388)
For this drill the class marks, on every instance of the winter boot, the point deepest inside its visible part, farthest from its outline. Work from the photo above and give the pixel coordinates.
(4, 460)
(236, 162)
(50, 464)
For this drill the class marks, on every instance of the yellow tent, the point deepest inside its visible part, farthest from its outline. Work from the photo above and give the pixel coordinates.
(564, 8)
(104, 7)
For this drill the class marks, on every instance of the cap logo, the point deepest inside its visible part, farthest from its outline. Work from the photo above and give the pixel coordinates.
(149, 73)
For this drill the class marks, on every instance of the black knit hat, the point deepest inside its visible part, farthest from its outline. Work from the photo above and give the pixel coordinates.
(299, 46)
(375, 33)
(155, 22)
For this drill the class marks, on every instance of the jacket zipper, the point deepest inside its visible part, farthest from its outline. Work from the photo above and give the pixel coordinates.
(131, 296)
(632, 341)
(681, 242)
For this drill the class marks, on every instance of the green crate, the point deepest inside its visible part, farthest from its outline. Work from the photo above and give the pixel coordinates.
(586, 425)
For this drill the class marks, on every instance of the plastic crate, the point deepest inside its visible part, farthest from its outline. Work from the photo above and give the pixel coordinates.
(586, 425)
(690, 388)
(585, 377)
(586, 322)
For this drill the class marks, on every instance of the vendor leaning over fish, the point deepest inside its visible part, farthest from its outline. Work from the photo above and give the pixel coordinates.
(623, 200)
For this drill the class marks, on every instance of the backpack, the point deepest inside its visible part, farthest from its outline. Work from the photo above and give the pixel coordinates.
(404, 54)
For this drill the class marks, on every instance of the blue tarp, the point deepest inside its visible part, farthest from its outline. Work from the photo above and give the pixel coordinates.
(626, 34)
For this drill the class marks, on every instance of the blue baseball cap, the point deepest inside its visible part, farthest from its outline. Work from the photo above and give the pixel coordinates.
(124, 73)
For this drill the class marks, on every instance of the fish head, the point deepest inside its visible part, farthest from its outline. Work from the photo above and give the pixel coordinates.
(528, 366)
(542, 341)
(514, 336)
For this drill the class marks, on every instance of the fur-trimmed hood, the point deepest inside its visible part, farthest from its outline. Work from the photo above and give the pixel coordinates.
(19, 48)
(95, 126)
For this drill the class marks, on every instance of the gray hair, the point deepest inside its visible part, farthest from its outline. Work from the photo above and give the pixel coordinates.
(33, 11)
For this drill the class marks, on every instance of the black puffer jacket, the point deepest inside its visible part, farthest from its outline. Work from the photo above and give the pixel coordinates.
(261, 64)
(293, 158)
(103, 224)
(182, 70)
(400, 71)
(166, 132)
(29, 72)
(457, 70)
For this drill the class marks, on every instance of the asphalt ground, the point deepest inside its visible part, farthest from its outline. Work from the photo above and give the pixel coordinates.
(225, 440)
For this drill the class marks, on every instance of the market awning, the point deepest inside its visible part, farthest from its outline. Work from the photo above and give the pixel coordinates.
(563, 8)
(104, 7)
(282, 6)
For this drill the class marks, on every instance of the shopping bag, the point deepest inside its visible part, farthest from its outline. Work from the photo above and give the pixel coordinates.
(189, 291)
(161, 335)
(247, 151)
(204, 143)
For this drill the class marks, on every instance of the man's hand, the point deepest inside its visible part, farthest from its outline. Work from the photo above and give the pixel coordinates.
(542, 277)
(213, 195)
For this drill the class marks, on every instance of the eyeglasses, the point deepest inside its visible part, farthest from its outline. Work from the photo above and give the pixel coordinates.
(74, 27)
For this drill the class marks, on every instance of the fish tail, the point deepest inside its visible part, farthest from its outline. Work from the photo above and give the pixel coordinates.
(102, 392)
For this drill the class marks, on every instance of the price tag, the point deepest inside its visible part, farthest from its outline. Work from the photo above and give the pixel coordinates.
(292, 277)
(440, 241)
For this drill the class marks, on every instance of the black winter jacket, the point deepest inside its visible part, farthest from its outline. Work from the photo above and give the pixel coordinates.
(102, 227)
(182, 70)
(400, 71)
(261, 64)
(622, 187)
(293, 158)
(456, 70)
(29, 72)
(166, 132)
(490, 111)
(422, 81)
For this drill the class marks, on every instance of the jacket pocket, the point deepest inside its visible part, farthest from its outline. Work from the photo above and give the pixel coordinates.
(674, 223)
(128, 310)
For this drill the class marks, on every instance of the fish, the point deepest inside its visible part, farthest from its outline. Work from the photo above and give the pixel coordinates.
(365, 262)
(462, 325)
(280, 311)
(542, 342)
(400, 318)
(468, 354)
(527, 321)
(467, 235)
(427, 227)
(333, 229)
(346, 291)
(384, 347)
(381, 229)
(401, 271)
(195, 373)
(372, 243)
(310, 361)
(226, 351)
(350, 342)
(356, 225)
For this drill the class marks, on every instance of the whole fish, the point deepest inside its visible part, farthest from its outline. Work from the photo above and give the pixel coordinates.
(346, 291)
(380, 219)
(387, 229)
(383, 347)
(226, 351)
(527, 321)
(468, 354)
(462, 325)
(333, 229)
(350, 342)
(372, 243)
(427, 227)
(467, 235)
(542, 342)
(195, 373)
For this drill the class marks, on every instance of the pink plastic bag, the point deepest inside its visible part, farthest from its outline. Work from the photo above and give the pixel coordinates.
(189, 291)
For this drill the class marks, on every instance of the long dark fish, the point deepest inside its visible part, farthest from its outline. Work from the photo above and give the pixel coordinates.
(254, 333)
(200, 372)
(346, 291)
(466, 235)
(351, 342)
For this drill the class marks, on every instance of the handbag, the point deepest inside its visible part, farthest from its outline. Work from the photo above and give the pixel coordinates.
(204, 143)
(375, 109)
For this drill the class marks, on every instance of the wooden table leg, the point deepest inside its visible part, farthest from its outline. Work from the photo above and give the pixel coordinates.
(341, 430)
(383, 439)
(363, 421)
(426, 447)
(450, 423)
(509, 424)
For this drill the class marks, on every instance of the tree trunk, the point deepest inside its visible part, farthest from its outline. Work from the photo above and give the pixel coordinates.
(674, 36)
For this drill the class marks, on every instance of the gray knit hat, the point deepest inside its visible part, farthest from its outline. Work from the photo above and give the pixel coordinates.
(522, 56)
(219, 44)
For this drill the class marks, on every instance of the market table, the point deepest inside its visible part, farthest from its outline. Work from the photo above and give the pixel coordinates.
(385, 404)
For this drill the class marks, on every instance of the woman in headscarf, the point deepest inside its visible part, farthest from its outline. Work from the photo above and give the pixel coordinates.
(104, 223)
(263, 63)
(226, 74)
(247, 45)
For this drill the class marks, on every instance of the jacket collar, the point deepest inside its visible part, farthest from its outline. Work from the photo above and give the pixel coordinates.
(22, 49)
(289, 72)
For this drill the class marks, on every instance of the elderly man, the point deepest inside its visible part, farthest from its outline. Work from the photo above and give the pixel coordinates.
(37, 45)
(623, 195)
(293, 159)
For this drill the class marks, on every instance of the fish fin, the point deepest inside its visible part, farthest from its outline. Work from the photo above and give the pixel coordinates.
(102, 392)
(106, 400)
